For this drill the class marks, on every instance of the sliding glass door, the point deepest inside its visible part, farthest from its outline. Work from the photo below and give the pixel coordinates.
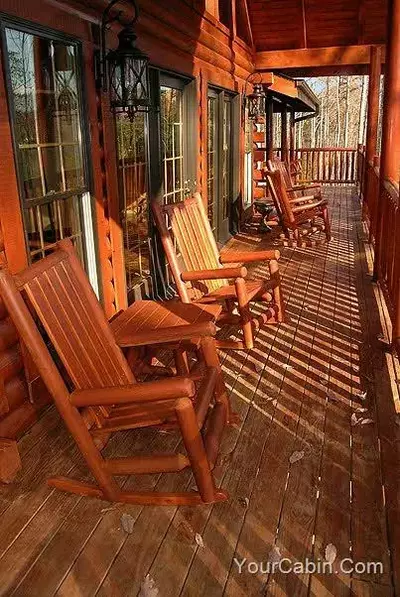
(220, 162)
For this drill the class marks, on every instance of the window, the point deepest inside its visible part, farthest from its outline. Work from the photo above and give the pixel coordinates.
(46, 114)
(220, 139)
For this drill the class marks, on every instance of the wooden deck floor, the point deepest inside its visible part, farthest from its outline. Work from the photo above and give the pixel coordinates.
(296, 392)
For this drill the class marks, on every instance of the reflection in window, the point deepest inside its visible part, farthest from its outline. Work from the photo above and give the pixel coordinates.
(172, 144)
(132, 165)
(226, 160)
(248, 161)
(47, 130)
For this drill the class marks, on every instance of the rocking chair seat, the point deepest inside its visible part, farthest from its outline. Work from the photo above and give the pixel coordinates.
(254, 289)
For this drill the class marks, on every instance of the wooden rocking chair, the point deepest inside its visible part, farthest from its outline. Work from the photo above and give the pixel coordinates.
(201, 278)
(56, 292)
(293, 213)
(293, 189)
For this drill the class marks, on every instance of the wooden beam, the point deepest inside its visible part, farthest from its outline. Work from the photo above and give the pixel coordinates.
(314, 57)
(284, 135)
(303, 15)
(270, 128)
(373, 103)
(248, 21)
(233, 18)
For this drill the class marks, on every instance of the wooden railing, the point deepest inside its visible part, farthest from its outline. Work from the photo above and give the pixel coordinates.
(329, 165)
(381, 210)
(335, 165)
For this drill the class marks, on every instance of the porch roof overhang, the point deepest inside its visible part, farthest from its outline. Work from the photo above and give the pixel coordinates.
(292, 93)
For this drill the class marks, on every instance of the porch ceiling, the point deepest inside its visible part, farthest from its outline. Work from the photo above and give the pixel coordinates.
(293, 24)
(295, 35)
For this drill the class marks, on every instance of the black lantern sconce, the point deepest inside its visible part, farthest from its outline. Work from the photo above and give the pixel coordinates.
(124, 72)
(255, 101)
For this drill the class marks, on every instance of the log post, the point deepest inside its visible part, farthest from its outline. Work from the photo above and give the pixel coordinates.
(270, 127)
(390, 155)
(372, 120)
(292, 136)
(284, 135)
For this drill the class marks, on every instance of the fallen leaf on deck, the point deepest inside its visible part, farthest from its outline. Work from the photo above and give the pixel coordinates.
(274, 555)
(330, 553)
(258, 368)
(148, 588)
(332, 397)
(324, 380)
(361, 395)
(354, 419)
(244, 502)
(366, 421)
(127, 523)
(296, 456)
(199, 540)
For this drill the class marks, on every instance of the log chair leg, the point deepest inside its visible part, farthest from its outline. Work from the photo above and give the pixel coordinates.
(277, 291)
(212, 360)
(243, 303)
(195, 449)
(325, 215)
(181, 361)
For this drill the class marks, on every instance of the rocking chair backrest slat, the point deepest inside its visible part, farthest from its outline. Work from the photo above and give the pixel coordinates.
(62, 298)
(276, 164)
(195, 241)
(280, 196)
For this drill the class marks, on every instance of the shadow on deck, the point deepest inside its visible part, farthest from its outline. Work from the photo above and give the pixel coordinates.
(300, 475)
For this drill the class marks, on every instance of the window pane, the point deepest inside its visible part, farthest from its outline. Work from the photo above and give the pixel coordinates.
(172, 145)
(48, 223)
(43, 76)
(132, 166)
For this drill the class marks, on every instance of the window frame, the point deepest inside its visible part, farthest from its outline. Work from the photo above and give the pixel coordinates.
(86, 204)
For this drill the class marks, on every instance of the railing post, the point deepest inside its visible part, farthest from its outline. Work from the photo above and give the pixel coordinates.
(390, 159)
(372, 120)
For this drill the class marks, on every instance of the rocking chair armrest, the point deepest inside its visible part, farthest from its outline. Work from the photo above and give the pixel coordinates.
(147, 391)
(166, 335)
(308, 206)
(303, 187)
(247, 257)
(214, 274)
(303, 199)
